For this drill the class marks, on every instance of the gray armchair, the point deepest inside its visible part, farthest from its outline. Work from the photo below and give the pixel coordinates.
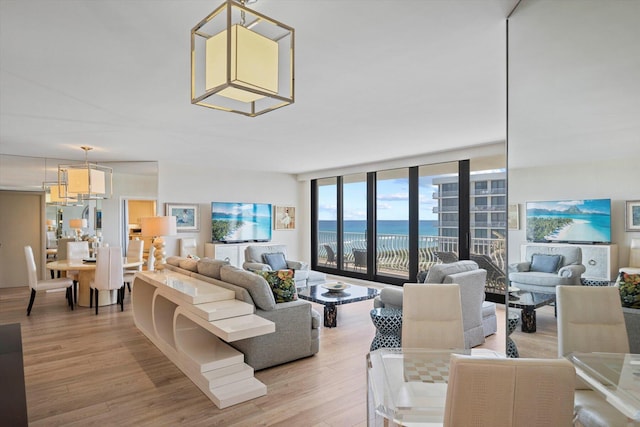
(266, 257)
(547, 267)
(471, 280)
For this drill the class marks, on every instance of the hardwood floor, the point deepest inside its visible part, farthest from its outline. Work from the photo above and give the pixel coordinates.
(83, 369)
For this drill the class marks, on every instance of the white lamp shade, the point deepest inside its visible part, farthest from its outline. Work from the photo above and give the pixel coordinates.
(78, 223)
(253, 63)
(86, 180)
(158, 226)
(51, 222)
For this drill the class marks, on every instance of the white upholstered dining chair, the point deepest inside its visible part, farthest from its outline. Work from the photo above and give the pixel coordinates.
(44, 285)
(508, 392)
(633, 266)
(134, 251)
(432, 316)
(76, 251)
(188, 246)
(590, 319)
(108, 276)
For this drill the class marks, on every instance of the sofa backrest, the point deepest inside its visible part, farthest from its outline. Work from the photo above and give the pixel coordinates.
(571, 255)
(256, 285)
(248, 286)
(437, 273)
(253, 253)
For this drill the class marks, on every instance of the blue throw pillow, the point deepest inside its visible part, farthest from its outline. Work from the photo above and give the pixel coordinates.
(545, 263)
(275, 260)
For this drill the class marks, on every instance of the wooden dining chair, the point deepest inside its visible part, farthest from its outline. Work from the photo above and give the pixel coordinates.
(108, 275)
(44, 285)
(590, 318)
(508, 392)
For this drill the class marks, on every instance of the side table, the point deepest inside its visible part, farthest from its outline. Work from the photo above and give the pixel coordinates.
(388, 322)
(512, 323)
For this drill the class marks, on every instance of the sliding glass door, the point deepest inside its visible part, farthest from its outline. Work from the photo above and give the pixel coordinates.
(390, 225)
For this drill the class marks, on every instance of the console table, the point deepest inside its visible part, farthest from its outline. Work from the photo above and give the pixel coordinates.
(189, 320)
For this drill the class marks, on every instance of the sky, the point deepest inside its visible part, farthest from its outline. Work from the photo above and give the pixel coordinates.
(392, 200)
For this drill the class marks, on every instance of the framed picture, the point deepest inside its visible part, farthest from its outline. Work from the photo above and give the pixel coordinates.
(98, 219)
(513, 217)
(632, 214)
(284, 218)
(187, 216)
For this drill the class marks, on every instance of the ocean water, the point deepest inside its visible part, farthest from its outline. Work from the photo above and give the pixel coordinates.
(399, 227)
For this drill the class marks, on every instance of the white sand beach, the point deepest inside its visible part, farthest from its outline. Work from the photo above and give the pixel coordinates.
(565, 232)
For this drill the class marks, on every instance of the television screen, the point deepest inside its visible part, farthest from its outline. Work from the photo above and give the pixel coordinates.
(572, 221)
(240, 222)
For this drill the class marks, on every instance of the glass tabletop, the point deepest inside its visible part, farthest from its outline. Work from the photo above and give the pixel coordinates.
(322, 295)
(409, 386)
(615, 375)
(522, 299)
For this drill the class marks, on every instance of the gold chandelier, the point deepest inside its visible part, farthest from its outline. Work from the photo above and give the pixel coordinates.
(85, 181)
(242, 61)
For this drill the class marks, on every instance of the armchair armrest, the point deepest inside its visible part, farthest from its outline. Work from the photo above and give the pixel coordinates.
(518, 267)
(256, 266)
(572, 270)
(297, 265)
(391, 296)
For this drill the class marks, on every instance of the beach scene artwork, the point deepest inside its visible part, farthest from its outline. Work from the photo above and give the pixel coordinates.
(240, 222)
(584, 221)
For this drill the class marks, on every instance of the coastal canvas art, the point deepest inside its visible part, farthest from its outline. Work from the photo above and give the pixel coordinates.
(633, 215)
(186, 216)
(574, 221)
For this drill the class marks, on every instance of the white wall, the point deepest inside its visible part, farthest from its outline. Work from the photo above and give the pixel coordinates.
(181, 183)
(614, 179)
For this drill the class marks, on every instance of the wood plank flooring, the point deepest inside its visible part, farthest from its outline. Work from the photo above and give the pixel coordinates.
(82, 369)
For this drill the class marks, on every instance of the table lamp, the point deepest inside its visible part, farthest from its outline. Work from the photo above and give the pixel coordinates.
(157, 227)
(78, 224)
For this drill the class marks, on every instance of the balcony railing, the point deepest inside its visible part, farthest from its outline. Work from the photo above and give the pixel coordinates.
(393, 253)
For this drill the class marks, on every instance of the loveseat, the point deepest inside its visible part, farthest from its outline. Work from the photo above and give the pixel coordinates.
(547, 267)
(274, 257)
(297, 323)
(472, 282)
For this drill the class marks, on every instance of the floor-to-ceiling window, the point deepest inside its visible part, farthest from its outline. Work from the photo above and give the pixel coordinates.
(389, 225)
(392, 223)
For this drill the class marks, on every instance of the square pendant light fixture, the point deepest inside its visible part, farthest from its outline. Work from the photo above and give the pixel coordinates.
(56, 194)
(87, 181)
(242, 61)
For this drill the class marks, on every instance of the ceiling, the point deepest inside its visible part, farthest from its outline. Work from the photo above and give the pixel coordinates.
(375, 80)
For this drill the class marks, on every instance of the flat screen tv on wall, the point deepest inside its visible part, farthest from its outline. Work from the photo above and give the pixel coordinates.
(570, 221)
(234, 222)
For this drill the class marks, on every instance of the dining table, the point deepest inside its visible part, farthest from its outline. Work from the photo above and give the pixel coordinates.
(616, 376)
(86, 272)
(408, 387)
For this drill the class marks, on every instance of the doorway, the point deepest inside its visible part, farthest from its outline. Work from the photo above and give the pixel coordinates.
(21, 224)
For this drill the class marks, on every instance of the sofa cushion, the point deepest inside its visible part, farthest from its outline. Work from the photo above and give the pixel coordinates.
(275, 260)
(544, 263)
(257, 287)
(536, 278)
(629, 285)
(282, 284)
(438, 272)
(174, 260)
(211, 267)
(188, 264)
